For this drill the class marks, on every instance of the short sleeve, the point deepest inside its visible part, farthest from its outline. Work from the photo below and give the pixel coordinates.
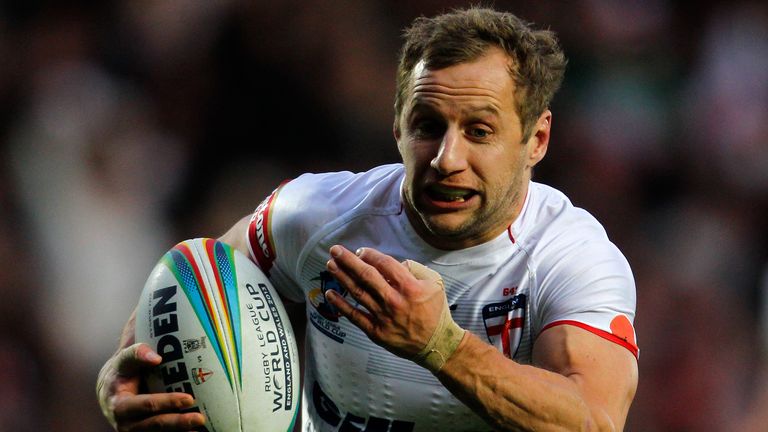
(262, 245)
(589, 285)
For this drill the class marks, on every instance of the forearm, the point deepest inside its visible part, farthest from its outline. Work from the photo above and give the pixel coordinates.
(516, 397)
(585, 382)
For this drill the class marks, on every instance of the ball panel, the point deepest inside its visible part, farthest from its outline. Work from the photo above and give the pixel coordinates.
(273, 379)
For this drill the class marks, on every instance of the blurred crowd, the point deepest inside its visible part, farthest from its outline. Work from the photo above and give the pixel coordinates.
(126, 126)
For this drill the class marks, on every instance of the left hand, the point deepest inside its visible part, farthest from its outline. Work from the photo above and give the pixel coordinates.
(403, 301)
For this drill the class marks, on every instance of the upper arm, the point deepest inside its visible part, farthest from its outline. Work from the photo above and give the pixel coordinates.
(605, 372)
(236, 236)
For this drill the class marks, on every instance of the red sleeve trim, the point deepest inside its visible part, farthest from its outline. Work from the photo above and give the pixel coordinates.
(602, 333)
(260, 241)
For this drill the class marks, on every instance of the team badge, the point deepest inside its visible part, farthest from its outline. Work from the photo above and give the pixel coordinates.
(504, 322)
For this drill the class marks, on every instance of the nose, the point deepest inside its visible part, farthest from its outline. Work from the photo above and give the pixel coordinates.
(452, 155)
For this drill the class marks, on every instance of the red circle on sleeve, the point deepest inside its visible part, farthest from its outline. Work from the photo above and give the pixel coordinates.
(621, 327)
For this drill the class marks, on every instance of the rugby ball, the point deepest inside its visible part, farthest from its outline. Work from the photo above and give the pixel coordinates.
(224, 337)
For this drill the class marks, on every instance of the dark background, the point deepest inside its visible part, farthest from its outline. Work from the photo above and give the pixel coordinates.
(126, 126)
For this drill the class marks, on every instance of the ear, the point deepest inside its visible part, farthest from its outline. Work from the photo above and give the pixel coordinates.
(539, 140)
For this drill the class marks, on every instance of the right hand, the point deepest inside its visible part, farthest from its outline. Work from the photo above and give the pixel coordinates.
(117, 389)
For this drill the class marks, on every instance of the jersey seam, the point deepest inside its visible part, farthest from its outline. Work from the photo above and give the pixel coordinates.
(532, 291)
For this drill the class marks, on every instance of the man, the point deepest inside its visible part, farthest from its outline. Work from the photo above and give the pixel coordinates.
(449, 292)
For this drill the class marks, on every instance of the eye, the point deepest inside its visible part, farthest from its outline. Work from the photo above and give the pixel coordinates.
(427, 128)
(479, 132)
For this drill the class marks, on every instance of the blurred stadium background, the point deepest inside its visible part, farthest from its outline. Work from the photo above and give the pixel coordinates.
(126, 126)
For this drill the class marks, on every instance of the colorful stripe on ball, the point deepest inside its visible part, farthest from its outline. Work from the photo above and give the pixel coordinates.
(221, 324)
(221, 258)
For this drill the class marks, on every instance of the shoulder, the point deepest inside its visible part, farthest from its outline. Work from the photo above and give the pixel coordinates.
(305, 206)
(552, 227)
(342, 187)
(548, 205)
(316, 198)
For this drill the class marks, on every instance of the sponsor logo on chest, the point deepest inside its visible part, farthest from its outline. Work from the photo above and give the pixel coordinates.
(325, 316)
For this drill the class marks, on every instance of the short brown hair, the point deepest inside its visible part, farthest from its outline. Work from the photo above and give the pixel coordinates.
(465, 34)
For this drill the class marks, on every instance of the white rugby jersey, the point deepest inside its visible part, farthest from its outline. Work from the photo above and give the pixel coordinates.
(554, 265)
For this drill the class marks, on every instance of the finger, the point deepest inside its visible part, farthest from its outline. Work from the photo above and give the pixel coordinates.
(129, 361)
(391, 269)
(358, 317)
(141, 406)
(358, 293)
(362, 274)
(166, 423)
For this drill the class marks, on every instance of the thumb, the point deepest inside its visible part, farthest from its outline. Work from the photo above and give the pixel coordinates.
(121, 374)
(129, 361)
(424, 273)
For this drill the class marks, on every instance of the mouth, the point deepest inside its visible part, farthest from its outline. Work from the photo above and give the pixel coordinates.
(446, 194)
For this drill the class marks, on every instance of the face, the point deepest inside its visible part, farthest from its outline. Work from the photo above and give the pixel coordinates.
(467, 166)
